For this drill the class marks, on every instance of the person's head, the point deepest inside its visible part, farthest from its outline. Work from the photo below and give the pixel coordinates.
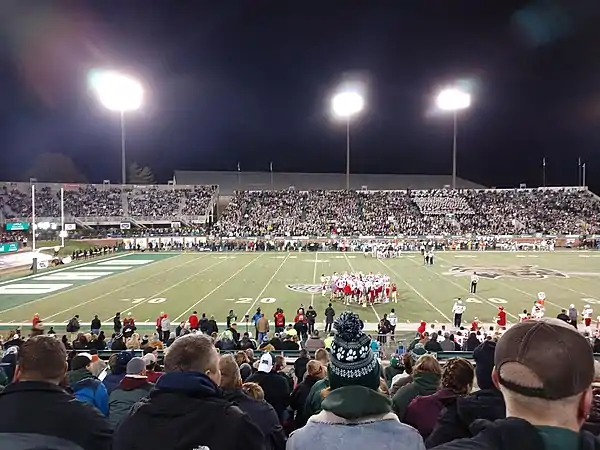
(280, 363)
(136, 368)
(194, 353)
(230, 372)
(253, 390)
(315, 334)
(315, 369)
(81, 361)
(241, 357)
(150, 360)
(545, 369)
(353, 363)
(322, 356)
(266, 363)
(484, 364)
(457, 375)
(427, 364)
(41, 358)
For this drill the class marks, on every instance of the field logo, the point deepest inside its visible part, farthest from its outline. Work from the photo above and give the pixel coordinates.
(305, 288)
(495, 272)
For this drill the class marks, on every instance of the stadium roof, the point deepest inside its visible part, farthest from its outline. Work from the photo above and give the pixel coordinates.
(231, 181)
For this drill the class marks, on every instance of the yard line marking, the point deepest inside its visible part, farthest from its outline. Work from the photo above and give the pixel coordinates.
(352, 269)
(31, 302)
(312, 296)
(526, 293)
(217, 288)
(425, 299)
(268, 283)
(121, 288)
(495, 306)
(64, 268)
(221, 261)
(570, 289)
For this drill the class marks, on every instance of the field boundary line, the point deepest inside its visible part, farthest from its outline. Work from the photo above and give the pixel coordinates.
(217, 288)
(312, 296)
(67, 267)
(268, 283)
(178, 266)
(352, 269)
(410, 286)
(494, 305)
(174, 285)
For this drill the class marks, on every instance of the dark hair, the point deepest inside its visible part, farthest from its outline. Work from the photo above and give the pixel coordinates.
(458, 375)
(42, 358)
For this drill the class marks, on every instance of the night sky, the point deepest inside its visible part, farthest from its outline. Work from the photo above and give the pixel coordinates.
(250, 81)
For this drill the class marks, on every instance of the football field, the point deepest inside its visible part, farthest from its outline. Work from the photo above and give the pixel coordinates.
(213, 283)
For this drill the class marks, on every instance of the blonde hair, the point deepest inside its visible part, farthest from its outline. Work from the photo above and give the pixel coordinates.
(241, 357)
(314, 368)
(427, 363)
(322, 356)
(230, 372)
(254, 390)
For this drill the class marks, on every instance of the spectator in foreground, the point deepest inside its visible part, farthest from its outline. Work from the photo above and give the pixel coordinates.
(355, 415)
(487, 403)
(42, 414)
(547, 391)
(131, 389)
(277, 391)
(300, 365)
(259, 411)
(457, 380)
(592, 423)
(186, 409)
(314, 342)
(118, 370)
(425, 381)
(315, 371)
(86, 387)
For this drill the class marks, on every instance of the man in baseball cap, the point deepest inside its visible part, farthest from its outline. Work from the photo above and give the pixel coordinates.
(544, 369)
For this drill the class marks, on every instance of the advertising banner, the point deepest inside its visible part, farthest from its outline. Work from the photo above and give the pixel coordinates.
(9, 247)
(17, 226)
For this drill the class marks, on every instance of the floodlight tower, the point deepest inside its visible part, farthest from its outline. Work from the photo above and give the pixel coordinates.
(118, 92)
(346, 105)
(454, 100)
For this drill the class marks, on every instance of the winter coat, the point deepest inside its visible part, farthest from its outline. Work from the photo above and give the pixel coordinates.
(187, 411)
(263, 415)
(42, 415)
(423, 412)
(276, 388)
(112, 380)
(424, 383)
(355, 418)
(88, 389)
(313, 344)
(461, 412)
(314, 400)
(518, 434)
(390, 372)
(298, 400)
(128, 393)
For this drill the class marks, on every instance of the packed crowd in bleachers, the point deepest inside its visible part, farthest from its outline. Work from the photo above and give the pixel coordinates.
(191, 386)
(154, 202)
(89, 201)
(323, 213)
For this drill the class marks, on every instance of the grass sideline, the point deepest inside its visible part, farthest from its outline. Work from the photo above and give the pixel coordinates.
(214, 283)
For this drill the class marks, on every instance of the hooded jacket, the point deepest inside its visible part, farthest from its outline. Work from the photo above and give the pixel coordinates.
(298, 399)
(424, 383)
(355, 418)
(187, 411)
(128, 393)
(89, 389)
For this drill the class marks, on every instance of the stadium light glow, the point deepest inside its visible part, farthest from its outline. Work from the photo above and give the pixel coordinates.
(453, 100)
(117, 91)
(347, 104)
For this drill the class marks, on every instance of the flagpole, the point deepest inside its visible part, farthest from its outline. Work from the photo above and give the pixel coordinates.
(271, 170)
(583, 174)
(238, 174)
(579, 171)
(544, 172)
(33, 227)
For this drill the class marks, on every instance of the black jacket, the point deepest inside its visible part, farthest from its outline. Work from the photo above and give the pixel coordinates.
(511, 434)
(300, 367)
(263, 415)
(311, 315)
(211, 327)
(461, 412)
(117, 325)
(96, 324)
(203, 324)
(187, 411)
(329, 314)
(44, 414)
(298, 400)
(277, 391)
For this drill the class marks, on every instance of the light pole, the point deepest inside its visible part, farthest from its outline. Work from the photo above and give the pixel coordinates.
(346, 105)
(122, 93)
(453, 99)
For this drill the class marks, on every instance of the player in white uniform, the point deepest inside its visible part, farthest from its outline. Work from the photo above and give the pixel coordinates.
(538, 310)
(587, 317)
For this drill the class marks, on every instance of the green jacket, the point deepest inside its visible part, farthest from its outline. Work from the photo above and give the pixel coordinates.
(424, 383)
(313, 402)
(128, 393)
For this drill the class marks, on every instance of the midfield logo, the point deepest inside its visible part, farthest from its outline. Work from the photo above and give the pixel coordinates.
(305, 288)
(495, 272)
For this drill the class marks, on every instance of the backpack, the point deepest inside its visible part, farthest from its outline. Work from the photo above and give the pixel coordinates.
(71, 326)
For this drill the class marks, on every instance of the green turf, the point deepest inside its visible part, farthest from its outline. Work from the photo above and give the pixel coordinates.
(216, 282)
(68, 249)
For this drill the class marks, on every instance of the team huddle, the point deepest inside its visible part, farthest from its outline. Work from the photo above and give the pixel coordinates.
(359, 288)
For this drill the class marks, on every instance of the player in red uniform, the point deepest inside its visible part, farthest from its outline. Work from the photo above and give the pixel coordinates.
(501, 318)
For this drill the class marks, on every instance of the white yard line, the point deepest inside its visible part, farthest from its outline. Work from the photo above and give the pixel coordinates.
(268, 283)
(526, 293)
(312, 296)
(67, 267)
(179, 283)
(571, 289)
(449, 280)
(216, 288)
(352, 270)
(119, 289)
(425, 299)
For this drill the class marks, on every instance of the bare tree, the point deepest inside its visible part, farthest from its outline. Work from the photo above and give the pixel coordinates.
(55, 168)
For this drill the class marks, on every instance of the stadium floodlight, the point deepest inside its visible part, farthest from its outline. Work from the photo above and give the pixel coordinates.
(345, 105)
(453, 100)
(117, 91)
